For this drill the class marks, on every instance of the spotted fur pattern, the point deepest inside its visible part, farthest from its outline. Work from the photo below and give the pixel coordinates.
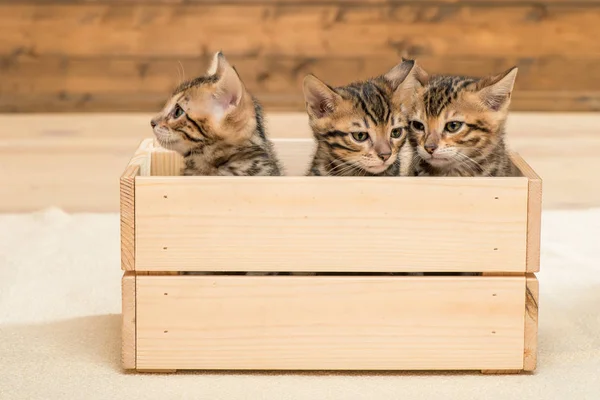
(217, 126)
(252, 157)
(338, 115)
(479, 108)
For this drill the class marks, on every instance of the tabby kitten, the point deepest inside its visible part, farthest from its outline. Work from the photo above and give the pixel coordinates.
(457, 124)
(360, 128)
(217, 126)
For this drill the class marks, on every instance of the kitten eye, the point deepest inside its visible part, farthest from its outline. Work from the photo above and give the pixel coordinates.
(396, 133)
(453, 126)
(417, 126)
(178, 111)
(360, 136)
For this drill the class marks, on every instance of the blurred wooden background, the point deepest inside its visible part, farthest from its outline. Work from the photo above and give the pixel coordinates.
(120, 57)
(111, 55)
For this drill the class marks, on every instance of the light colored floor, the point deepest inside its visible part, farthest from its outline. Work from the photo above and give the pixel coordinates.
(60, 325)
(74, 161)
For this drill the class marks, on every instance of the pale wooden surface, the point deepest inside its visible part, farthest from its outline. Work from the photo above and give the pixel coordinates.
(325, 223)
(534, 213)
(128, 300)
(531, 322)
(73, 161)
(349, 323)
(139, 165)
(165, 163)
(295, 154)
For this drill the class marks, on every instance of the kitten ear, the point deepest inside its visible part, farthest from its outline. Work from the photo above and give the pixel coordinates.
(216, 62)
(229, 87)
(400, 72)
(495, 91)
(320, 98)
(406, 77)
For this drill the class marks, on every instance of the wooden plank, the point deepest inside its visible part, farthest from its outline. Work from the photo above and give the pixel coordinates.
(127, 216)
(500, 371)
(348, 323)
(57, 145)
(139, 165)
(127, 101)
(531, 323)
(534, 213)
(421, 29)
(294, 154)
(61, 83)
(78, 76)
(325, 224)
(165, 163)
(128, 335)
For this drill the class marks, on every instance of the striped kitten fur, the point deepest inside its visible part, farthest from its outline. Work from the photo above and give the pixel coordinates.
(217, 126)
(457, 123)
(360, 128)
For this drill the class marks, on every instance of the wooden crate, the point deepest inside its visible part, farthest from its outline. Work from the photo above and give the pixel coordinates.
(354, 233)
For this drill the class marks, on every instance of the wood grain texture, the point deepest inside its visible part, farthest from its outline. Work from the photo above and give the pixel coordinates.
(534, 213)
(531, 323)
(124, 83)
(61, 102)
(138, 165)
(295, 155)
(456, 29)
(128, 335)
(125, 55)
(127, 217)
(348, 323)
(324, 224)
(41, 156)
(165, 163)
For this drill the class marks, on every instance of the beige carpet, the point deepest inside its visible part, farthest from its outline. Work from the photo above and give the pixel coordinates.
(60, 325)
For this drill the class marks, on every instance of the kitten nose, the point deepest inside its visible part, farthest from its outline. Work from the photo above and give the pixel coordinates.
(430, 147)
(384, 156)
(153, 123)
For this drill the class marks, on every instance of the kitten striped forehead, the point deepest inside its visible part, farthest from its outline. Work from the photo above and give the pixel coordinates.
(443, 90)
(201, 80)
(373, 98)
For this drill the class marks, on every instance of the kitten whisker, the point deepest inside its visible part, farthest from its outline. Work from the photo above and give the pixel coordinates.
(474, 167)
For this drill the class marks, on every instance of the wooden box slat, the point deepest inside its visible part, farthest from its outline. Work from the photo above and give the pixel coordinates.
(348, 323)
(298, 223)
(330, 224)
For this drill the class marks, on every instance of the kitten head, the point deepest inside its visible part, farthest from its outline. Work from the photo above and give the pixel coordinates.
(453, 119)
(214, 107)
(360, 125)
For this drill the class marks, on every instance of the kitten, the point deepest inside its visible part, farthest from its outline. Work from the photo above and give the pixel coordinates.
(360, 128)
(217, 126)
(457, 123)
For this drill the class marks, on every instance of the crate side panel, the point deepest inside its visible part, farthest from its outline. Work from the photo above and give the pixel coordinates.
(534, 212)
(138, 165)
(127, 218)
(531, 323)
(347, 323)
(294, 155)
(165, 162)
(330, 224)
(128, 320)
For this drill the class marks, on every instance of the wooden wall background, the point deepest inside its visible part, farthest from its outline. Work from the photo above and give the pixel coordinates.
(125, 55)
